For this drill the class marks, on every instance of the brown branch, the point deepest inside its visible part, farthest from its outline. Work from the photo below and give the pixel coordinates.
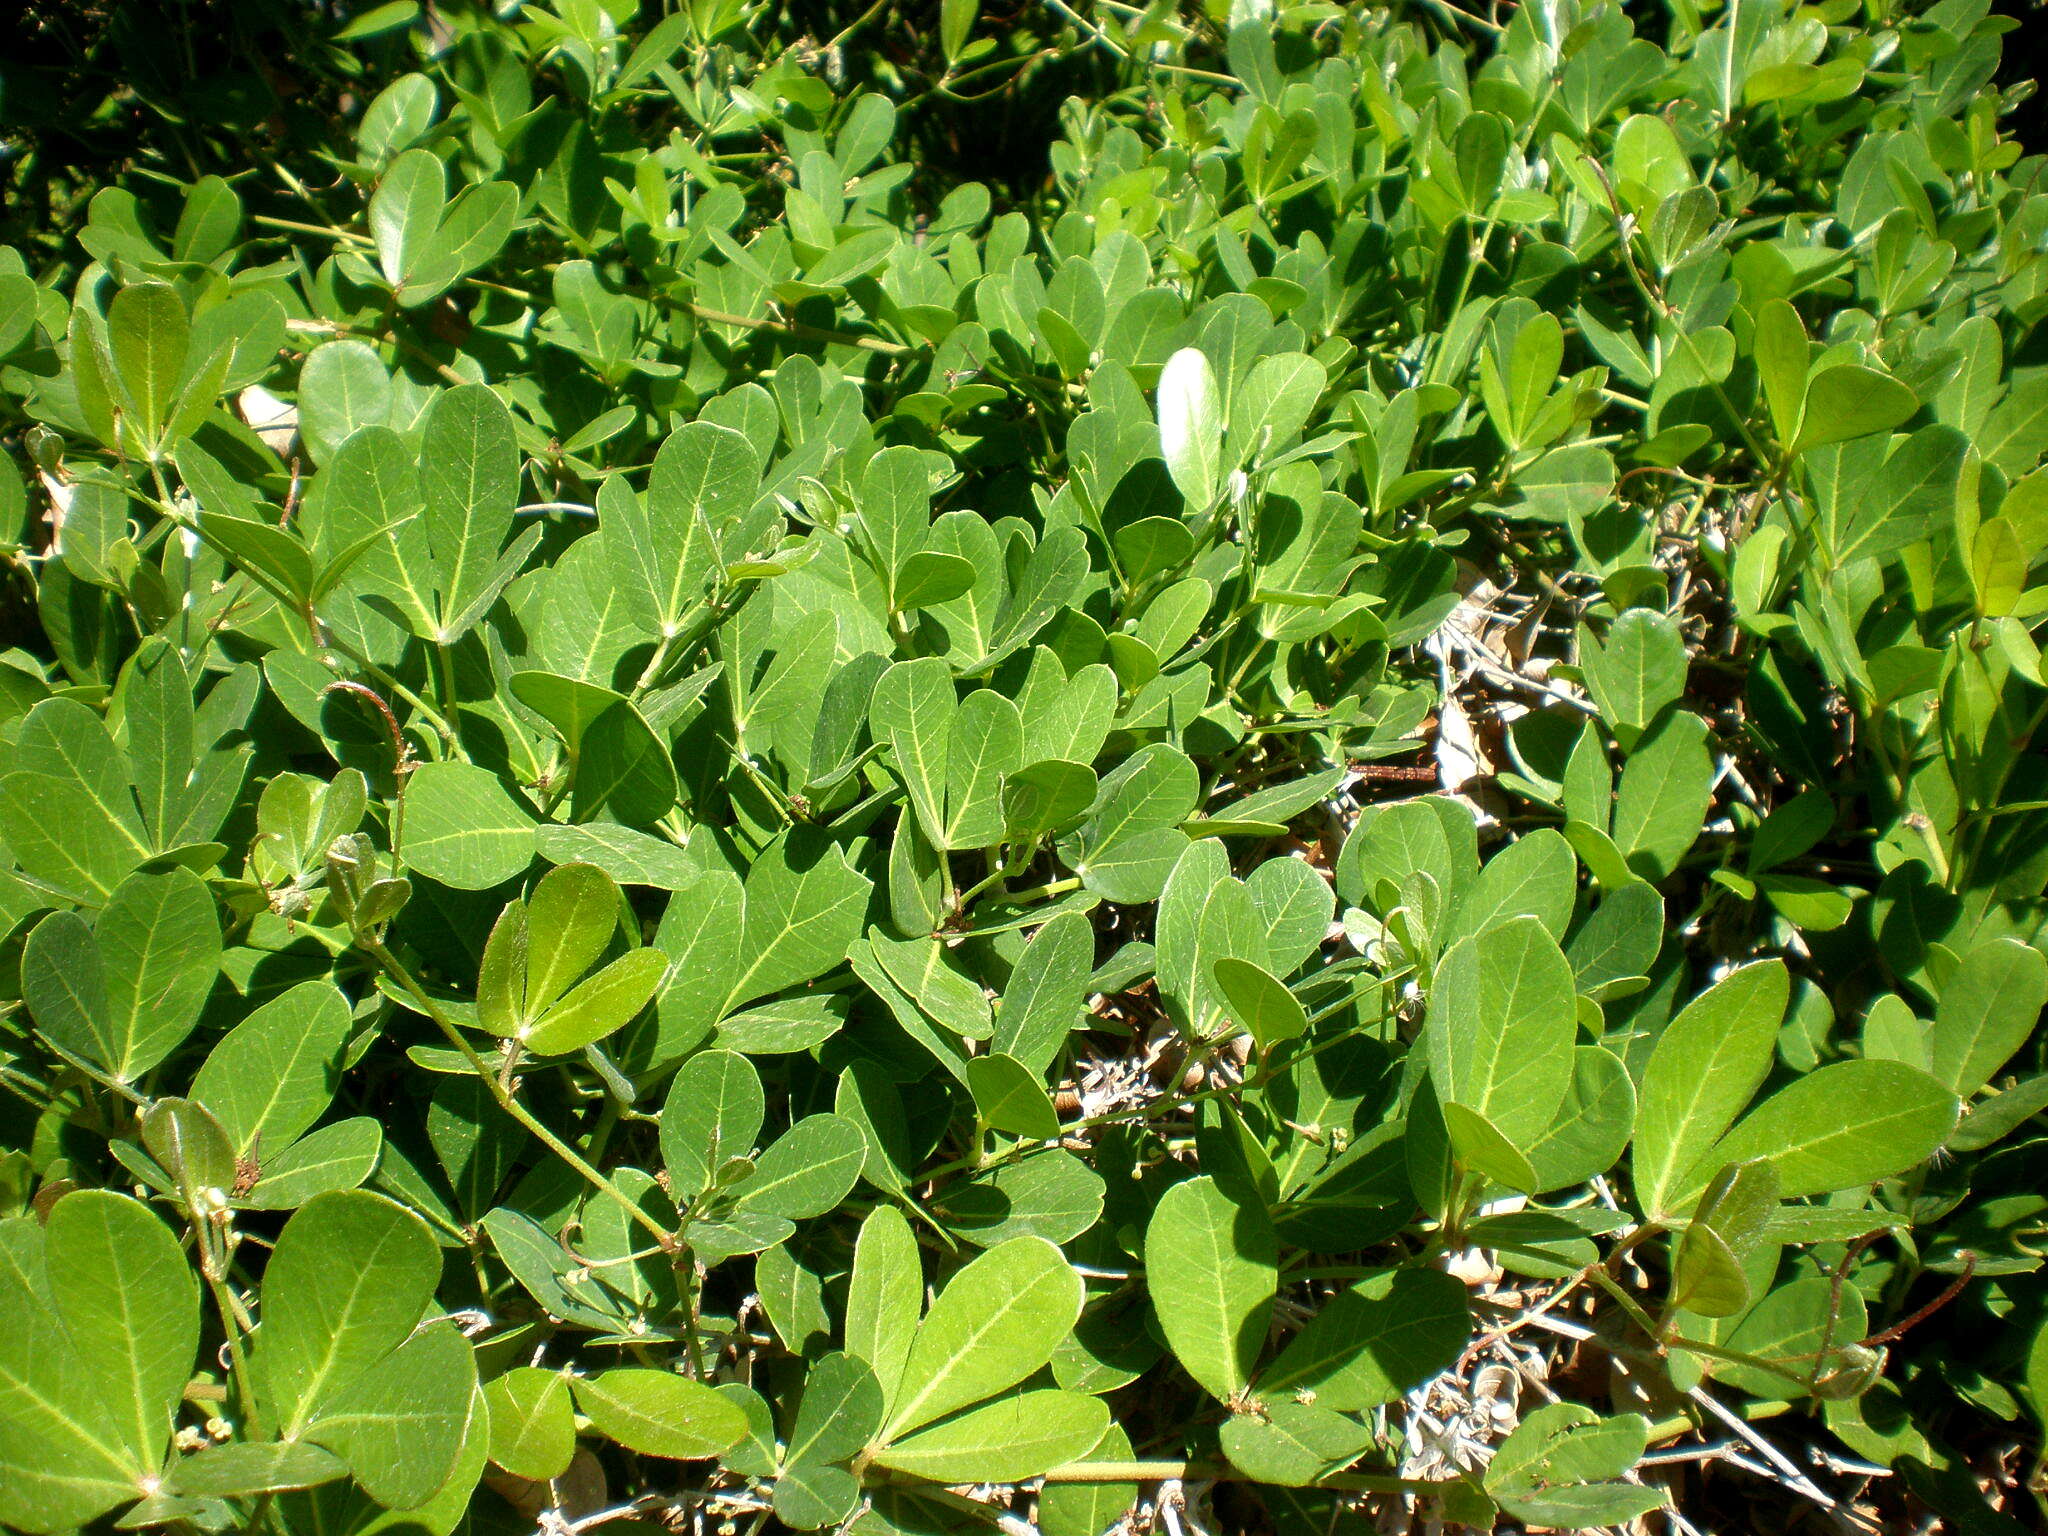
(1913, 1320)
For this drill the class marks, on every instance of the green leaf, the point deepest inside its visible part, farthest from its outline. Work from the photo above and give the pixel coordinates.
(570, 918)
(998, 1320)
(1191, 426)
(240, 1468)
(1211, 1264)
(274, 1074)
(469, 234)
(1153, 544)
(158, 737)
(929, 577)
(129, 1303)
(343, 388)
(547, 1274)
(804, 908)
(704, 478)
(1706, 1065)
(127, 991)
(1130, 843)
(1636, 673)
(67, 811)
(808, 1170)
(794, 1300)
(884, 1298)
(700, 933)
(1998, 567)
(1373, 1343)
(533, 1425)
(1259, 1002)
(1988, 1008)
(896, 514)
(1707, 1275)
(912, 713)
(1559, 1468)
(986, 745)
(1204, 915)
(1271, 407)
(1047, 992)
(1430, 835)
(924, 971)
(527, 985)
(629, 857)
(189, 1145)
(350, 1277)
(279, 561)
(400, 1426)
(405, 210)
(148, 335)
(712, 1115)
(624, 770)
(18, 297)
(64, 985)
(1501, 1025)
(1997, 1115)
(1066, 718)
(658, 1413)
(1010, 1097)
(870, 1100)
(1791, 1327)
(814, 1494)
(1846, 1124)
(601, 1005)
(1004, 1441)
(1088, 1509)
(1481, 1147)
(1292, 1445)
(1134, 868)
(1050, 1194)
(1849, 400)
(1781, 350)
(956, 24)
(1534, 876)
(1665, 789)
(64, 1460)
(840, 1413)
(469, 475)
(463, 829)
(335, 1157)
(1593, 1125)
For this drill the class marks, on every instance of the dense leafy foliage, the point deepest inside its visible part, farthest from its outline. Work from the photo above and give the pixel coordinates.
(721, 794)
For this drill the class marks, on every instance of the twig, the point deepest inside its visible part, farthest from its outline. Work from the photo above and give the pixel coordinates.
(1954, 1290)
(1791, 1476)
(1693, 1453)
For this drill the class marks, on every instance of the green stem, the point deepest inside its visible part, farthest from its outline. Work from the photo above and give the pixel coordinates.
(791, 328)
(1627, 1303)
(294, 226)
(444, 671)
(1041, 892)
(238, 1361)
(506, 1099)
(1692, 1346)
(652, 670)
(856, 24)
(443, 728)
(1159, 1471)
(1750, 1411)
(1102, 39)
(693, 1287)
